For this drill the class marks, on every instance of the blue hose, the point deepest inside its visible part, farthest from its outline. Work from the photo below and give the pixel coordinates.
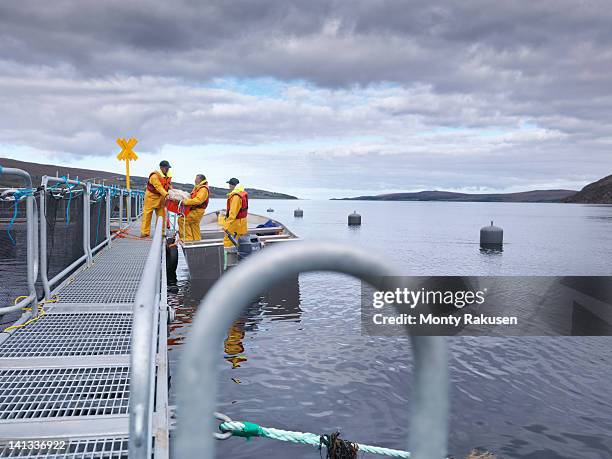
(17, 195)
(99, 195)
(68, 205)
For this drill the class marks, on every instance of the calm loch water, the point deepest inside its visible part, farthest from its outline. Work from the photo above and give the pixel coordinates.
(297, 360)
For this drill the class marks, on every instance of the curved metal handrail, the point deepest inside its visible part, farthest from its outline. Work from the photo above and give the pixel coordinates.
(196, 382)
(19, 173)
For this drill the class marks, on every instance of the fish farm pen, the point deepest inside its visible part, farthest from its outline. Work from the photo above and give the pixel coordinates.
(84, 326)
(71, 325)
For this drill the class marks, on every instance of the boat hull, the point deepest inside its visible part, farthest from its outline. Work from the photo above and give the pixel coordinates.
(206, 258)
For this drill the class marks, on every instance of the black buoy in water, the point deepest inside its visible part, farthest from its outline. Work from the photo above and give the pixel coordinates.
(491, 237)
(354, 219)
(298, 213)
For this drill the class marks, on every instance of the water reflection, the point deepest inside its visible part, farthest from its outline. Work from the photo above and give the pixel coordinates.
(491, 250)
(282, 302)
(233, 346)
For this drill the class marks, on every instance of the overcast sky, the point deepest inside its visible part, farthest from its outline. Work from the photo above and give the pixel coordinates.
(319, 98)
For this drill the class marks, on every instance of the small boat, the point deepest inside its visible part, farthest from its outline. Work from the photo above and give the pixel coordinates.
(206, 258)
(270, 209)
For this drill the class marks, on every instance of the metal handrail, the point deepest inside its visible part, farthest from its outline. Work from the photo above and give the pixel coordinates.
(32, 245)
(143, 351)
(88, 251)
(228, 298)
(49, 283)
(127, 207)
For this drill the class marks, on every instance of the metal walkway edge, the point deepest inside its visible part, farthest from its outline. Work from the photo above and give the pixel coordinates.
(67, 376)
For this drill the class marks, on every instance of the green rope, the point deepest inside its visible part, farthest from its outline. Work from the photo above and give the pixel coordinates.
(249, 430)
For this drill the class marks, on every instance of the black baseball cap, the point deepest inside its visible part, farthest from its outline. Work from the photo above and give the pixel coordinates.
(165, 163)
(233, 181)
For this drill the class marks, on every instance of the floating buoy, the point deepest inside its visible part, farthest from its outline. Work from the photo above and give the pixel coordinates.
(491, 237)
(354, 219)
(298, 213)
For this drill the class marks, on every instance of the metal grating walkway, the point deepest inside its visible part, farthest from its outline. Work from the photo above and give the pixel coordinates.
(67, 375)
(113, 277)
(72, 334)
(60, 392)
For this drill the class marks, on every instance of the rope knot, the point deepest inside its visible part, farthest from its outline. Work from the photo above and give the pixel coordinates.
(338, 448)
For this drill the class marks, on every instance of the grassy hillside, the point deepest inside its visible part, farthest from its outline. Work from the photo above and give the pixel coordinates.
(527, 196)
(599, 192)
(38, 170)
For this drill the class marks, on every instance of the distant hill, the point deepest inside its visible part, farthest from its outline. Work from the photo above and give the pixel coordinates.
(526, 196)
(38, 170)
(599, 192)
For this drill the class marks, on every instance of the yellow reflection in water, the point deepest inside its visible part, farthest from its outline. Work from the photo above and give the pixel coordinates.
(233, 347)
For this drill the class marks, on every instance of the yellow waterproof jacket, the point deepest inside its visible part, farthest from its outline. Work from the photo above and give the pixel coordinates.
(230, 222)
(156, 200)
(189, 226)
(199, 195)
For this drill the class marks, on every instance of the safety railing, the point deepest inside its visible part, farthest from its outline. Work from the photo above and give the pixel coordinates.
(131, 204)
(31, 238)
(88, 190)
(144, 349)
(430, 406)
(36, 217)
(58, 181)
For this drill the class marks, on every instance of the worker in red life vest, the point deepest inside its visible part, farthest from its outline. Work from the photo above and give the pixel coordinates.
(237, 209)
(157, 190)
(189, 226)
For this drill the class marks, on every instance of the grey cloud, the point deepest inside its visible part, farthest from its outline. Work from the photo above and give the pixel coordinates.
(279, 38)
(75, 74)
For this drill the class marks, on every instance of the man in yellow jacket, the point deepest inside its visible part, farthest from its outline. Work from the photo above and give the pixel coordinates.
(236, 211)
(189, 226)
(155, 195)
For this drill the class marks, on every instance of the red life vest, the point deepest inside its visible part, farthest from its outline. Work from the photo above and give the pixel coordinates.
(244, 208)
(165, 181)
(204, 204)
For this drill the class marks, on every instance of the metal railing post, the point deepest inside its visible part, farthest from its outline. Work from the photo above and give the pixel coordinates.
(87, 223)
(143, 351)
(120, 209)
(108, 216)
(43, 238)
(129, 207)
(429, 412)
(31, 245)
(32, 235)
